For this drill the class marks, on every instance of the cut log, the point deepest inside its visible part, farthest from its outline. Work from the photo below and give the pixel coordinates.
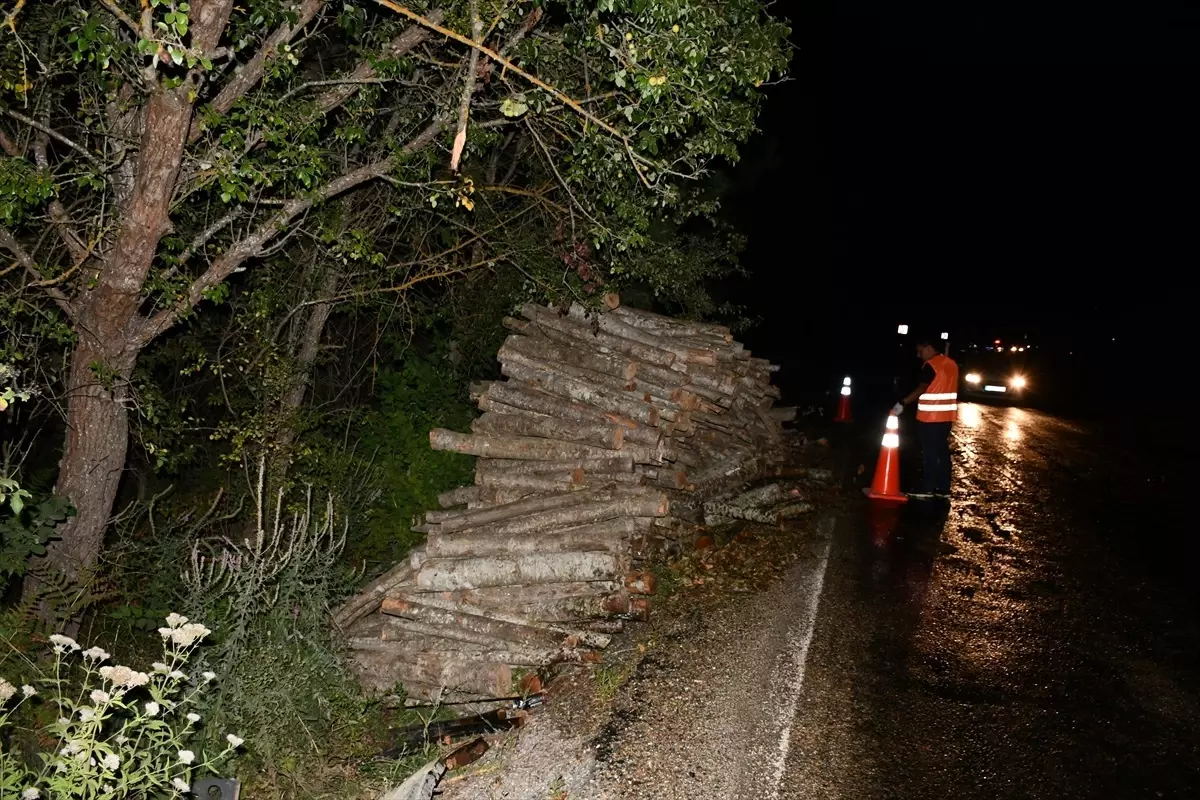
(457, 673)
(615, 463)
(439, 637)
(605, 537)
(496, 629)
(368, 599)
(458, 497)
(469, 519)
(444, 575)
(481, 619)
(783, 413)
(615, 327)
(670, 326)
(551, 321)
(621, 368)
(508, 356)
(562, 609)
(571, 388)
(607, 436)
(518, 447)
(626, 502)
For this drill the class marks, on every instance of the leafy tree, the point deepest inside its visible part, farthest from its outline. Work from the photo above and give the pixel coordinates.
(155, 150)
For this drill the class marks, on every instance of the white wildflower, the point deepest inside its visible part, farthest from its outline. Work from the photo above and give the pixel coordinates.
(189, 634)
(28, 690)
(111, 761)
(175, 620)
(208, 675)
(63, 721)
(181, 785)
(96, 654)
(62, 643)
(87, 714)
(193, 718)
(234, 741)
(177, 676)
(121, 738)
(152, 709)
(70, 748)
(107, 787)
(99, 697)
(30, 794)
(124, 677)
(165, 633)
(7, 690)
(186, 756)
(158, 666)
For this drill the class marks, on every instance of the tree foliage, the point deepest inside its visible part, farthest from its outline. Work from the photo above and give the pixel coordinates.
(356, 153)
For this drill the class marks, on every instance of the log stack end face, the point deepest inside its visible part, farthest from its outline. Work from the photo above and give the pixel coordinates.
(605, 423)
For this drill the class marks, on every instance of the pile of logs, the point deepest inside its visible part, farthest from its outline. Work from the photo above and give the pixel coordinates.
(610, 432)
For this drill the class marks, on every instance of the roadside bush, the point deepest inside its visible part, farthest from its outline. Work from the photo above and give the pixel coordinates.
(279, 677)
(115, 732)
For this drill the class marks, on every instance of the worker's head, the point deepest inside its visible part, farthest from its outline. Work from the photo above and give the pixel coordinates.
(928, 347)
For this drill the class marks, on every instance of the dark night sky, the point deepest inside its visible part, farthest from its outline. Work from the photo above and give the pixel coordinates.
(985, 167)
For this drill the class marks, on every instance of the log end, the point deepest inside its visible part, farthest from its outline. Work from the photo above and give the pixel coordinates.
(641, 582)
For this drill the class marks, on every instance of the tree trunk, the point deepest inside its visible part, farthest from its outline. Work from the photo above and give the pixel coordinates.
(306, 358)
(94, 457)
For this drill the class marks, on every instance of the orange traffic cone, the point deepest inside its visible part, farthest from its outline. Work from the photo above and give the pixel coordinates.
(843, 409)
(885, 488)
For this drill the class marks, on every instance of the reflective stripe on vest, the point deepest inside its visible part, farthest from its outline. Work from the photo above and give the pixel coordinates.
(939, 403)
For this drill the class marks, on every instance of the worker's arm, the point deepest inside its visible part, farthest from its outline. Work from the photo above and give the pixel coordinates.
(912, 396)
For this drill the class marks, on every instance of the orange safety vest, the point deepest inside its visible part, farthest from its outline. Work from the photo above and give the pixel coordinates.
(939, 403)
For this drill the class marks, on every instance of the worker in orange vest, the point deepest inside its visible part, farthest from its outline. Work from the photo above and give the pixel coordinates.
(936, 397)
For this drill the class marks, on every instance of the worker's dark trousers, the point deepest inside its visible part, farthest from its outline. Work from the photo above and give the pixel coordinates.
(935, 450)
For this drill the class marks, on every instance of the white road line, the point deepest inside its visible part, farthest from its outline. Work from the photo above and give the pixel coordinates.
(796, 655)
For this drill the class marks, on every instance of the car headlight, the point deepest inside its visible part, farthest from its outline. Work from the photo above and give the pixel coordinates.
(973, 377)
(1018, 382)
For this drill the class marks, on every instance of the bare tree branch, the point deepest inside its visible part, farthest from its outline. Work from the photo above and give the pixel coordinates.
(252, 72)
(205, 235)
(58, 215)
(33, 123)
(464, 104)
(125, 19)
(365, 71)
(10, 243)
(504, 62)
(252, 245)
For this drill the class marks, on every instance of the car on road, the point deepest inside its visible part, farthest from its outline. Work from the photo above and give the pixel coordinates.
(997, 377)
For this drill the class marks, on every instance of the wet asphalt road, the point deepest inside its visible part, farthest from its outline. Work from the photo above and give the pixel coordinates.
(1036, 638)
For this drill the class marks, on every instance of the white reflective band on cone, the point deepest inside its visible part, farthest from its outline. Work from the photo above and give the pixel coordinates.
(893, 422)
(933, 407)
(846, 391)
(845, 382)
(942, 396)
(891, 440)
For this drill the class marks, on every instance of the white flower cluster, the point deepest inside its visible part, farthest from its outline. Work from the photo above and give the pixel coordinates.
(185, 634)
(63, 643)
(7, 690)
(124, 677)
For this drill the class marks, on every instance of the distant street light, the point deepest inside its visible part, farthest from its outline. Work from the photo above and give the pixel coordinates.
(945, 336)
(902, 330)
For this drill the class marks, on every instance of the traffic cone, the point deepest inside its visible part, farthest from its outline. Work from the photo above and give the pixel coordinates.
(885, 488)
(843, 409)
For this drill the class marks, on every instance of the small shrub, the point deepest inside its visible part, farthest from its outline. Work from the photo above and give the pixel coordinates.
(281, 681)
(116, 732)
